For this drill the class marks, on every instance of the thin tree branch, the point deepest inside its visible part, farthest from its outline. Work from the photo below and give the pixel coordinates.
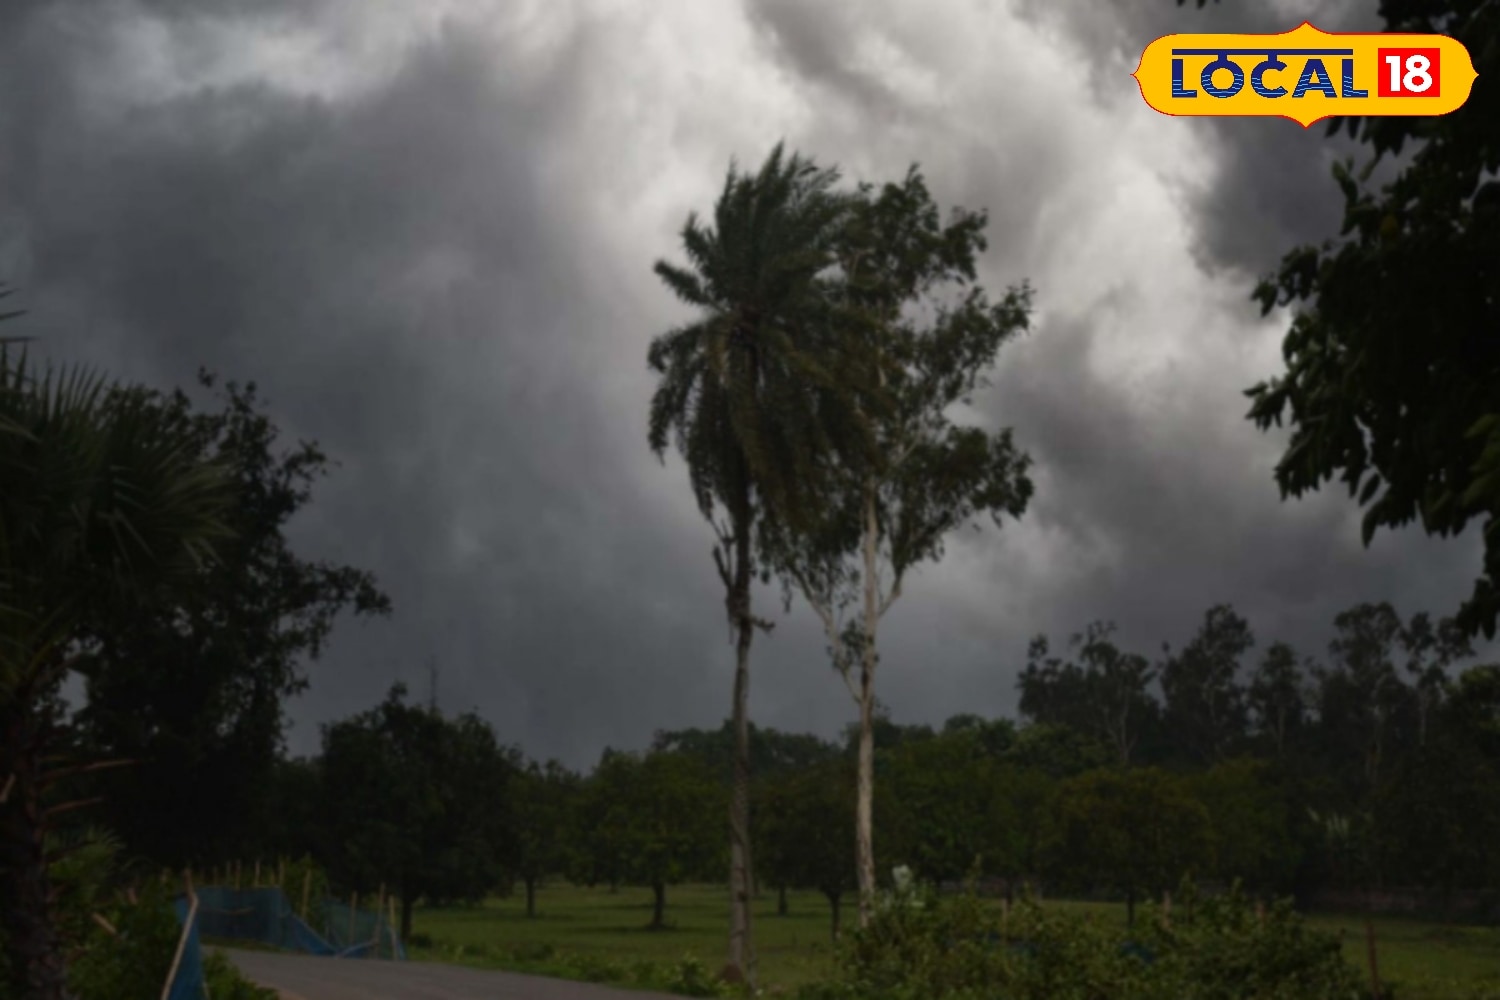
(70, 806)
(58, 774)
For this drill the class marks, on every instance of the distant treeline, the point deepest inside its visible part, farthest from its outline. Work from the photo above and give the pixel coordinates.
(1377, 765)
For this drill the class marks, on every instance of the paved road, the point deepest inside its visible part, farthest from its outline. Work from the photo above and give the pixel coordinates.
(308, 977)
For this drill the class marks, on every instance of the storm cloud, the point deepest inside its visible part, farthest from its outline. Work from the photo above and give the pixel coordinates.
(426, 232)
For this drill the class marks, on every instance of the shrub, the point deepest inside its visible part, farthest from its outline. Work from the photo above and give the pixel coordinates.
(132, 962)
(964, 949)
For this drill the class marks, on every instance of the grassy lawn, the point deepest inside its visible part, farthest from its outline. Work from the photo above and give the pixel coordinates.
(1427, 961)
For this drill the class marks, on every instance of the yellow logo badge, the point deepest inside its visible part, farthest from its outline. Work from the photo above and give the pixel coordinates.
(1305, 74)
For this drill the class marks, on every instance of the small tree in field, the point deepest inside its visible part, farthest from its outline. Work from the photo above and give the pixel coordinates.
(891, 507)
(1135, 831)
(659, 809)
(545, 801)
(806, 824)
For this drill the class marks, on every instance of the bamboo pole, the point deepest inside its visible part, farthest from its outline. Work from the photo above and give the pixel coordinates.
(255, 879)
(182, 939)
(1374, 967)
(306, 888)
(1166, 909)
(379, 915)
(353, 909)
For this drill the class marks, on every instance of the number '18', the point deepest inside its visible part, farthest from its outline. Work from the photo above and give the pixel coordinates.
(1409, 73)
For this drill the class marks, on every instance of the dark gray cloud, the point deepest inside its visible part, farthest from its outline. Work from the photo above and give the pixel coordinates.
(1273, 189)
(427, 236)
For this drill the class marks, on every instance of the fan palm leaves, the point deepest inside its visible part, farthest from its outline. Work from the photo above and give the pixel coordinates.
(104, 497)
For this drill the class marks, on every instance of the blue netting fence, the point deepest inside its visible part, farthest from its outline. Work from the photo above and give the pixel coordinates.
(266, 916)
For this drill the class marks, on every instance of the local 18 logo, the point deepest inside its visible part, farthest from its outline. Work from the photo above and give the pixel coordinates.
(1305, 74)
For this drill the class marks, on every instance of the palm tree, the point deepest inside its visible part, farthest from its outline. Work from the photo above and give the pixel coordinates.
(103, 497)
(755, 392)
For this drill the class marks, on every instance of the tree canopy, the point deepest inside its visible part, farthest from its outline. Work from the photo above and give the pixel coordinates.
(1392, 381)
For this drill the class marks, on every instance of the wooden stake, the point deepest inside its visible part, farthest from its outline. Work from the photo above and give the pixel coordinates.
(306, 888)
(391, 902)
(353, 909)
(1374, 968)
(1166, 909)
(255, 884)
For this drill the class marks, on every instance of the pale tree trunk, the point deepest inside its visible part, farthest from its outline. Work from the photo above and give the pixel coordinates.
(741, 952)
(864, 826)
(864, 844)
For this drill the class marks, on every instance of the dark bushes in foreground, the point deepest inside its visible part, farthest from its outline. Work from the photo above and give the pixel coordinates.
(923, 947)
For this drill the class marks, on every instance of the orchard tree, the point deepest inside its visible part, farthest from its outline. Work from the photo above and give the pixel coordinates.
(995, 736)
(1056, 750)
(107, 504)
(907, 290)
(598, 854)
(805, 820)
(750, 397)
(545, 805)
(1392, 379)
(419, 802)
(936, 806)
(771, 750)
(1250, 825)
(1133, 831)
(659, 807)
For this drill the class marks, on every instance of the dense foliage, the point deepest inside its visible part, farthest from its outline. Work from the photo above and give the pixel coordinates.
(1392, 381)
(923, 947)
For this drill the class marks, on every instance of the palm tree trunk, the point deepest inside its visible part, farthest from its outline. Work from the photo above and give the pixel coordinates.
(741, 953)
(33, 949)
(864, 825)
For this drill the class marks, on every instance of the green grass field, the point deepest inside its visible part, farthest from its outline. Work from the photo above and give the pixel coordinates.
(1425, 961)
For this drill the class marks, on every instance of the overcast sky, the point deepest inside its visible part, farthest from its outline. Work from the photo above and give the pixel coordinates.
(426, 230)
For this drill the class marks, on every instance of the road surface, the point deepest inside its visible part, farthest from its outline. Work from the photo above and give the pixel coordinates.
(310, 977)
